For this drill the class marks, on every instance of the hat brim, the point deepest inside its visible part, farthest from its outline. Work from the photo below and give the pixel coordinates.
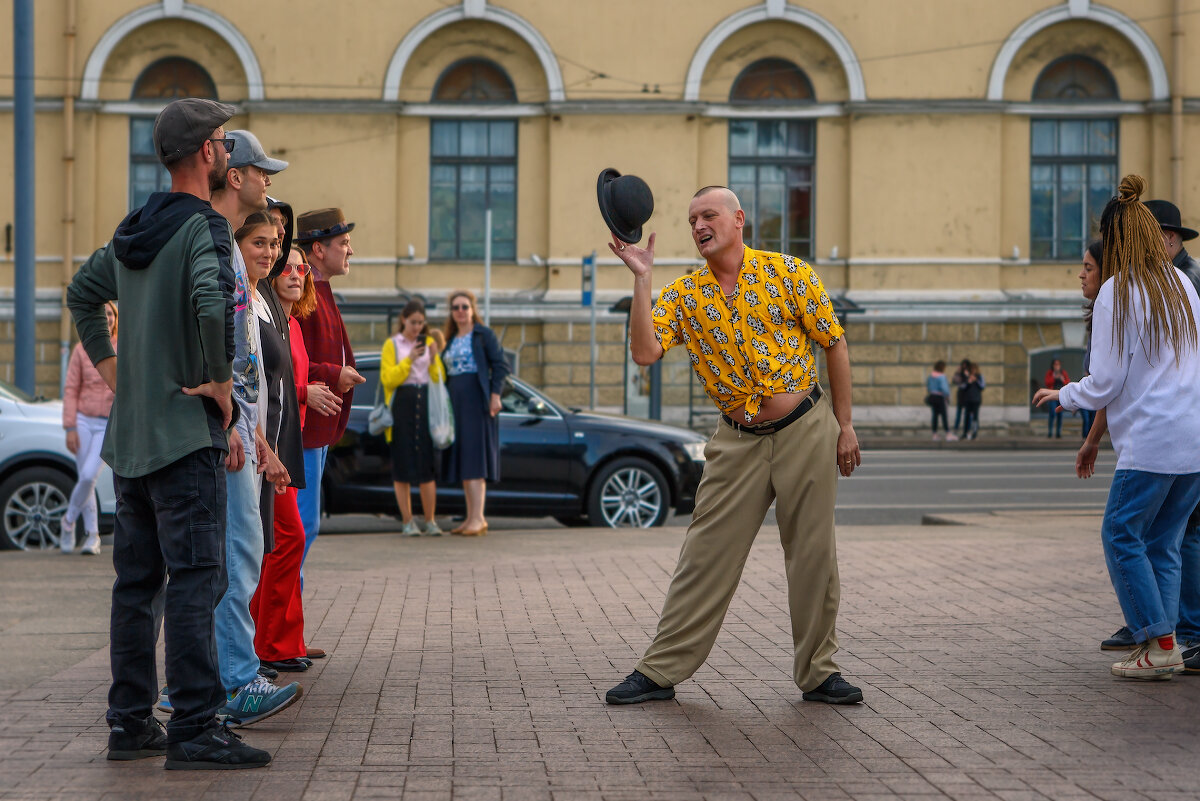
(604, 197)
(325, 233)
(1186, 234)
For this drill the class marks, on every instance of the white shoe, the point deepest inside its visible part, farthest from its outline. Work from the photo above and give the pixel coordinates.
(432, 529)
(1149, 661)
(936, 436)
(91, 545)
(951, 437)
(66, 535)
(411, 529)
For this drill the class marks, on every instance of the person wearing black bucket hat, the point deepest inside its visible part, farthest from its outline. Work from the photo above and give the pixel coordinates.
(748, 319)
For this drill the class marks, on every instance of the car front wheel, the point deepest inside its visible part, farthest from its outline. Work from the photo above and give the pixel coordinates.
(629, 493)
(33, 501)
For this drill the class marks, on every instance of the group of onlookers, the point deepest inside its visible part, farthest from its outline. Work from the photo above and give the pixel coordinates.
(968, 384)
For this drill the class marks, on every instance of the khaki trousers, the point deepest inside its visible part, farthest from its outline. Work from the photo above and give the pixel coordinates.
(797, 469)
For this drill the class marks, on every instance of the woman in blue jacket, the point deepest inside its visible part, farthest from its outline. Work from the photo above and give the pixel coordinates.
(475, 370)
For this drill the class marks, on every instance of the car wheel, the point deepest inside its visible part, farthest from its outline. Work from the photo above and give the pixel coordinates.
(33, 502)
(628, 493)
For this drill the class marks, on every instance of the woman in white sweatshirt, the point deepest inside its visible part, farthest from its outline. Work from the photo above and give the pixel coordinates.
(1146, 373)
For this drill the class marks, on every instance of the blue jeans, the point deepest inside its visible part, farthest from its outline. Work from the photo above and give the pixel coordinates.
(243, 561)
(308, 500)
(1189, 583)
(170, 523)
(1055, 417)
(1143, 526)
(1088, 416)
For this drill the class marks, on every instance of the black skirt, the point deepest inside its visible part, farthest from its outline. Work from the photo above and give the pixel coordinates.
(476, 450)
(412, 447)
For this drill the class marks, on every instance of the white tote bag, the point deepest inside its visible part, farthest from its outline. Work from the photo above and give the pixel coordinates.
(441, 416)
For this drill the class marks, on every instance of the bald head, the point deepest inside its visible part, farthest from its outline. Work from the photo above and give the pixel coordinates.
(722, 194)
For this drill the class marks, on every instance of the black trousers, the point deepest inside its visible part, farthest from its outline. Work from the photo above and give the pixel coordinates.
(169, 555)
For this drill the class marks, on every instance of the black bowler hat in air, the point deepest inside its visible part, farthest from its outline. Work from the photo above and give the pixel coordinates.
(1167, 214)
(625, 203)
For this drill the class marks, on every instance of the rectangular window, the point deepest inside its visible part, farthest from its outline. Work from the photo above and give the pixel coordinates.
(1072, 174)
(146, 174)
(473, 168)
(771, 172)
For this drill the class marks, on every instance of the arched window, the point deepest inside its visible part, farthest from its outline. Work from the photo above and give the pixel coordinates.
(1073, 159)
(473, 167)
(166, 79)
(771, 160)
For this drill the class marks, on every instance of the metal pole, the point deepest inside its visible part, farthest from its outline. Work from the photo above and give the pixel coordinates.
(592, 366)
(24, 300)
(487, 267)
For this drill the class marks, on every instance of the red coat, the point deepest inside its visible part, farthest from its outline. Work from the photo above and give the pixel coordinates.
(328, 347)
(1066, 379)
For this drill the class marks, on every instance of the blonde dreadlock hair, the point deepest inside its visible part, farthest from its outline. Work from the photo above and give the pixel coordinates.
(1134, 257)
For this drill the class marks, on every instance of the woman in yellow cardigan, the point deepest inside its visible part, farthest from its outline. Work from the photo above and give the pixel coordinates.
(408, 363)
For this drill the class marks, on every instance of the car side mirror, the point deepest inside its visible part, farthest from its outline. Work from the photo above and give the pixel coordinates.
(537, 406)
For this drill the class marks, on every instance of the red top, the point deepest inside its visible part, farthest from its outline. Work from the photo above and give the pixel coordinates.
(328, 347)
(1066, 379)
(299, 365)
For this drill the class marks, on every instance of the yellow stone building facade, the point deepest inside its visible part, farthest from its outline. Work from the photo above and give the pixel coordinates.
(938, 161)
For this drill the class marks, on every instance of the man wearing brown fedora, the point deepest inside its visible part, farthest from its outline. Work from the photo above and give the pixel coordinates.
(1187, 629)
(324, 236)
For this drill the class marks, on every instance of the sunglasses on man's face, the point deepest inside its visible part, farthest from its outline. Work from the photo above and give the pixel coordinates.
(461, 307)
(226, 143)
(301, 269)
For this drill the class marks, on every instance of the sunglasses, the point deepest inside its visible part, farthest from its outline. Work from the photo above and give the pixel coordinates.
(461, 307)
(227, 143)
(301, 269)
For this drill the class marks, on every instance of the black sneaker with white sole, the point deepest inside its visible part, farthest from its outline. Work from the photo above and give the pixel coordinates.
(1191, 659)
(137, 740)
(834, 690)
(215, 748)
(1122, 640)
(636, 688)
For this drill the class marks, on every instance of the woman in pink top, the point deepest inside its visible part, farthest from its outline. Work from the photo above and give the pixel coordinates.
(87, 401)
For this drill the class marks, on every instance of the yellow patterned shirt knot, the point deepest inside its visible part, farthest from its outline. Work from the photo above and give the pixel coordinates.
(759, 343)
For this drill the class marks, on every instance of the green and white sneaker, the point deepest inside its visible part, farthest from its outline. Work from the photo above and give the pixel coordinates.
(431, 529)
(411, 529)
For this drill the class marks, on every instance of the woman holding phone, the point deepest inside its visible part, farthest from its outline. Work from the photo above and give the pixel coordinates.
(408, 363)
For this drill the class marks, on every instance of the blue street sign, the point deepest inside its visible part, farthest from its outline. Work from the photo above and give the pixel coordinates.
(588, 279)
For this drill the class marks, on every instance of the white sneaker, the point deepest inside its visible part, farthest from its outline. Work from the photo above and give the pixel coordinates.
(432, 529)
(91, 545)
(1149, 661)
(936, 436)
(951, 437)
(66, 535)
(411, 529)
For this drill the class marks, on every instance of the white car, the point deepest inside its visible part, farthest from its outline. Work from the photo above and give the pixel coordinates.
(37, 472)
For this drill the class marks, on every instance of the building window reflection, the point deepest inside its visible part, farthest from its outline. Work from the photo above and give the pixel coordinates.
(473, 167)
(771, 159)
(1073, 160)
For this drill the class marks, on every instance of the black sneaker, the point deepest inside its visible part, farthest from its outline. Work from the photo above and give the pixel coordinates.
(267, 672)
(215, 748)
(1121, 641)
(637, 688)
(834, 690)
(149, 740)
(1191, 658)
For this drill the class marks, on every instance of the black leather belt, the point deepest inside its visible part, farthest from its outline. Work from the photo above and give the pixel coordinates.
(783, 422)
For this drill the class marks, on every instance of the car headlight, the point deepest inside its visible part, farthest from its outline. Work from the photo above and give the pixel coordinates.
(695, 450)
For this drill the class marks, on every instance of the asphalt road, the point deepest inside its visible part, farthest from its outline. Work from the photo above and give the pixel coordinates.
(902, 487)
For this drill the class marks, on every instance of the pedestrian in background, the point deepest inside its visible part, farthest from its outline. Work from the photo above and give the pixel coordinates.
(972, 395)
(476, 369)
(959, 380)
(937, 390)
(1056, 378)
(408, 363)
(1089, 282)
(87, 401)
(1145, 369)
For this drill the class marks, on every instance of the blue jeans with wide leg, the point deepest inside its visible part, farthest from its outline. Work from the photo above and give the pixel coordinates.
(308, 500)
(1143, 526)
(243, 560)
(1189, 581)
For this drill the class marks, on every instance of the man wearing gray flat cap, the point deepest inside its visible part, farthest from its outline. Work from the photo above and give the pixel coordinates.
(171, 263)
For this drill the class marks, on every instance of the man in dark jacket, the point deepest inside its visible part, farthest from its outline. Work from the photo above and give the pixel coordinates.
(169, 263)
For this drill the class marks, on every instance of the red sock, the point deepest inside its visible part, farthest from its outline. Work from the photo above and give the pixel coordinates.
(1167, 643)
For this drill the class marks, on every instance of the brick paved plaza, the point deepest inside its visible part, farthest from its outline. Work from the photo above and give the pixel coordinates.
(475, 669)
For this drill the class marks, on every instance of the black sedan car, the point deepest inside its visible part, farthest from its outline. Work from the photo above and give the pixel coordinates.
(580, 467)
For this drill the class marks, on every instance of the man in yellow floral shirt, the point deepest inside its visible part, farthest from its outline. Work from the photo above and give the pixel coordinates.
(748, 319)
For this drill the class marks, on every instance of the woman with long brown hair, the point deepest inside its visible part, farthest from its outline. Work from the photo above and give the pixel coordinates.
(1145, 373)
(475, 369)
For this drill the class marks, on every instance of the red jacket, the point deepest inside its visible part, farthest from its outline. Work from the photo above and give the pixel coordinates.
(1066, 379)
(328, 347)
